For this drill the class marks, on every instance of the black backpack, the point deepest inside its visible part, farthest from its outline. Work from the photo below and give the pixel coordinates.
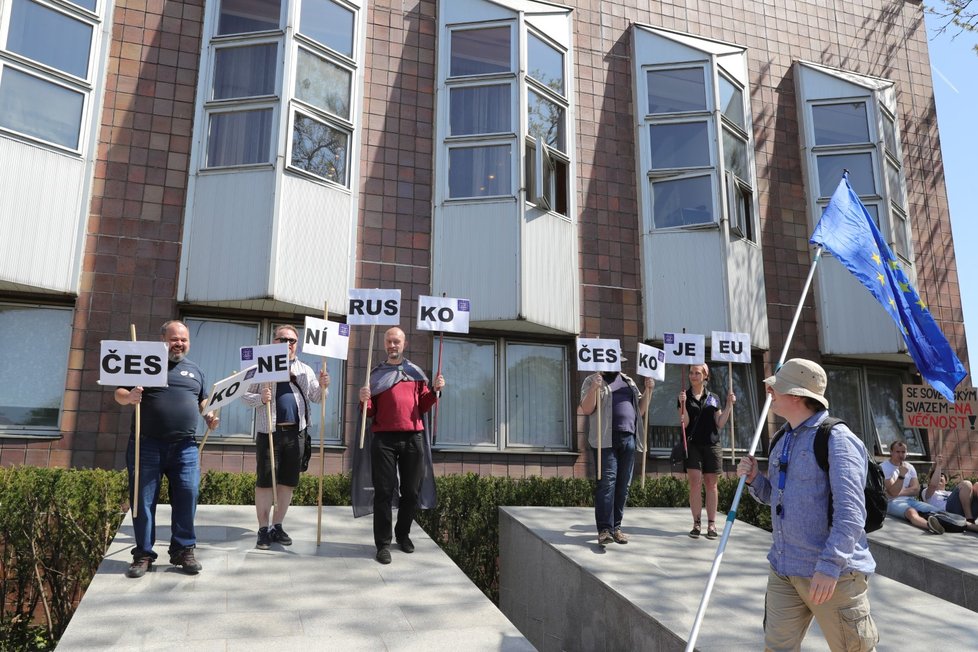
(874, 491)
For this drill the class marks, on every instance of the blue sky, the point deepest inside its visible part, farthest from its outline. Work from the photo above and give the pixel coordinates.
(954, 66)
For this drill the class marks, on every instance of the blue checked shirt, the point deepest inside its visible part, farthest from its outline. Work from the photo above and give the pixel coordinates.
(803, 543)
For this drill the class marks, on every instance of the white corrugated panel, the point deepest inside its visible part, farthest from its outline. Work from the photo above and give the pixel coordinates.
(314, 245)
(683, 283)
(550, 273)
(41, 217)
(228, 237)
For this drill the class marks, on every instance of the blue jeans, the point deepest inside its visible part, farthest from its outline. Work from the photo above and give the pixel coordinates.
(898, 507)
(179, 462)
(611, 492)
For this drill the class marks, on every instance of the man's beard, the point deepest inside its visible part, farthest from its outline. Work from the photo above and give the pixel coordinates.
(175, 357)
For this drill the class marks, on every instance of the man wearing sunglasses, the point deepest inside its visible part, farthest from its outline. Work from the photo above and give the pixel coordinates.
(290, 418)
(819, 567)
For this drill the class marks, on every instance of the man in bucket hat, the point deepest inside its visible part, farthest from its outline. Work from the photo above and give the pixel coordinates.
(819, 568)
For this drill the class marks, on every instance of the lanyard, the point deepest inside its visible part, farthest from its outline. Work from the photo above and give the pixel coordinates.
(783, 470)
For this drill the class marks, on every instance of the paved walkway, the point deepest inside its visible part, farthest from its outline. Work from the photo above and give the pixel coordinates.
(303, 597)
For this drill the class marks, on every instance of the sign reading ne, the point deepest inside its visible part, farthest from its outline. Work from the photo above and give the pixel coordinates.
(132, 364)
(651, 362)
(374, 307)
(924, 407)
(730, 347)
(272, 361)
(231, 388)
(594, 354)
(328, 339)
(684, 348)
(443, 314)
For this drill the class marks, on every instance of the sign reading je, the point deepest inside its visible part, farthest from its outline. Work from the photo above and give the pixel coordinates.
(228, 390)
(132, 364)
(272, 361)
(594, 354)
(730, 347)
(443, 314)
(328, 339)
(374, 307)
(651, 362)
(924, 407)
(684, 348)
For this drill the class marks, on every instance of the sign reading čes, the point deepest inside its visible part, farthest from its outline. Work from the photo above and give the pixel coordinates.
(924, 407)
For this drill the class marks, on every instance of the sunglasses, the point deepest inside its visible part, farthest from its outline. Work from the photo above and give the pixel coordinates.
(290, 340)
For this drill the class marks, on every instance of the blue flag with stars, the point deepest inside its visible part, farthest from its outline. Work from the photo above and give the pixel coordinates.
(848, 231)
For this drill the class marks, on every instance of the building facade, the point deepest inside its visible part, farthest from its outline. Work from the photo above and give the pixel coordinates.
(612, 169)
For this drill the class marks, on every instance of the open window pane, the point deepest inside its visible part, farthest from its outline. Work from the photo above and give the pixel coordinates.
(862, 176)
(481, 110)
(469, 418)
(682, 145)
(483, 51)
(682, 202)
(840, 124)
(732, 102)
(536, 401)
(479, 171)
(546, 63)
(676, 91)
(735, 155)
(216, 348)
(885, 397)
(328, 23)
(38, 108)
(245, 16)
(546, 121)
(247, 71)
(239, 138)
(32, 378)
(323, 84)
(319, 148)
(49, 37)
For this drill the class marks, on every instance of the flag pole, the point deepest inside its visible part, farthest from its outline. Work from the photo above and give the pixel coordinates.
(322, 445)
(732, 514)
(135, 486)
(370, 357)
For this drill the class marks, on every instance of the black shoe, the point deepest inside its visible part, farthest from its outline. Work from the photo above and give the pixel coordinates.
(406, 544)
(279, 535)
(185, 559)
(384, 555)
(139, 566)
(264, 539)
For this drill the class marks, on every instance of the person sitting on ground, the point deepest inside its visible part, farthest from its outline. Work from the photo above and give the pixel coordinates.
(962, 500)
(901, 484)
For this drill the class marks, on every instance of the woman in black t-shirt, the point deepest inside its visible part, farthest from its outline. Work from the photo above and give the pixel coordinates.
(702, 418)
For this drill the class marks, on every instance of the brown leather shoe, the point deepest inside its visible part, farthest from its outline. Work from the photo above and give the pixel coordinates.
(186, 560)
(139, 566)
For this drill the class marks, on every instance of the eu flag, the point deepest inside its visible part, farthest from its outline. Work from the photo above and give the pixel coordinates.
(848, 231)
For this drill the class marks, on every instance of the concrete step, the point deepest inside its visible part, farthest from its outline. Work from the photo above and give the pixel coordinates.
(302, 597)
(564, 592)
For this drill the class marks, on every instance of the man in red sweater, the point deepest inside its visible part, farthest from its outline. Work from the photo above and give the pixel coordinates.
(397, 399)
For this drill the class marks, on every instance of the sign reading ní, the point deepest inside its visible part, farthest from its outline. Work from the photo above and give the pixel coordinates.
(924, 407)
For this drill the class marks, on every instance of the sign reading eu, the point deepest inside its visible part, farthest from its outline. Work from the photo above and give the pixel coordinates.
(730, 347)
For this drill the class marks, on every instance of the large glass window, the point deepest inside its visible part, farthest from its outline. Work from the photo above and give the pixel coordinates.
(483, 51)
(840, 124)
(323, 84)
(319, 149)
(328, 23)
(480, 110)
(246, 16)
(480, 171)
(506, 395)
(676, 90)
(32, 378)
(245, 71)
(50, 37)
(683, 202)
(546, 174)
(239, 138)
(39, 108)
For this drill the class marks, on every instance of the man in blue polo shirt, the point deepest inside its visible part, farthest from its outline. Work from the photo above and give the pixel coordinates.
(167, 447)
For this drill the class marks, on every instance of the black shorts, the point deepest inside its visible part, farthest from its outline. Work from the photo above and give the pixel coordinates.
(288, 454)
(707, 459)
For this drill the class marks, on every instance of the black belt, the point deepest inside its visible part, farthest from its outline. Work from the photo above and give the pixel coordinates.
(289, 427)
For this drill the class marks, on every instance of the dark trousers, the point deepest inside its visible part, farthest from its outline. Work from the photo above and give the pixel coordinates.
(393, 455)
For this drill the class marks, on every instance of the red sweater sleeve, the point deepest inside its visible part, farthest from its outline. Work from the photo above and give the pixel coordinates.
(399, 409)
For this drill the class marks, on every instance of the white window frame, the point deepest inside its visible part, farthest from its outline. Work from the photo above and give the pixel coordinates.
(540, 194)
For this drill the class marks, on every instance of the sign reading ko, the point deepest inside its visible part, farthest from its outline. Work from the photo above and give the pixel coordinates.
(374, 307)
(132, 364)
(271, 360)
(595, 354)
(651, 362)
(443, 314)
(730, 347)
(924, 407)
(684, 348)
(328, 339)
(230, 389)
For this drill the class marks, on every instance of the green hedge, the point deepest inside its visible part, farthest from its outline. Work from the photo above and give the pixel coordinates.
(55, 526)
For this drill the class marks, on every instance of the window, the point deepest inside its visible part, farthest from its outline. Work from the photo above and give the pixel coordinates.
(215, 347)
(506, 395)
(868, 400)
(46, 69)
(547, 180)
(32, 378)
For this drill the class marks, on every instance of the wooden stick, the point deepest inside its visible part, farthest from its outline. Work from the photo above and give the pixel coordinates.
(600, 424)
(733, 440)
(682, 408)
(200, 449)
(271, 446)
(370, 357)
(645, 433)
(322, 445)
(434, 429)
(135, 498)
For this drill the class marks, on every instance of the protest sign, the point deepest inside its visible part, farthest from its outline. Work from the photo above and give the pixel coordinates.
(271, 360)
(133, 364)
(595, 354)
(651, 362)
(374, 308)
(730, 347)
(444, 314)
(684, 348)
